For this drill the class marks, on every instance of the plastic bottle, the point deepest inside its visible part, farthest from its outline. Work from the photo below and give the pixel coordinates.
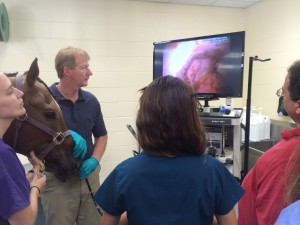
(261, 125)
(267, 126)
(254, 126)
(229, 103)
(243, 121)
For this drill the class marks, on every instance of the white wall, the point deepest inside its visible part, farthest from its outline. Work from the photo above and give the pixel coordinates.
(272, 31)
(119, 36)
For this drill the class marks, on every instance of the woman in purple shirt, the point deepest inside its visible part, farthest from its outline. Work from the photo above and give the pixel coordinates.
(18, 192)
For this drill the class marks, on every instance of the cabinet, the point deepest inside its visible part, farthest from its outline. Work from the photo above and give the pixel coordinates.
(233, 158)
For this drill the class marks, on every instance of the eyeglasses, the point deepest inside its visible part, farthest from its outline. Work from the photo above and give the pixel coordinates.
(279, 92)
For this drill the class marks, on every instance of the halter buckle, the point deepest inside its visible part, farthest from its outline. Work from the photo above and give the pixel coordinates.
(58, 138)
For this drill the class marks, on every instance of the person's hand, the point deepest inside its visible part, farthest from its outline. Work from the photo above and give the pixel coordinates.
(35, 162)
(87, 167)
(36, 178)
(38, 181)
(80, 145)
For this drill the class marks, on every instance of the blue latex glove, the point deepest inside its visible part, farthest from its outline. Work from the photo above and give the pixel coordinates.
(80, 145)
(87, 167)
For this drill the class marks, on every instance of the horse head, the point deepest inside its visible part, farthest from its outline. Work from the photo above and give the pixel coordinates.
(42, 129)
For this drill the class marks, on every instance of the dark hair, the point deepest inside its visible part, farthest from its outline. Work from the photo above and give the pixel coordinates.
(294, 75)
(168, 122)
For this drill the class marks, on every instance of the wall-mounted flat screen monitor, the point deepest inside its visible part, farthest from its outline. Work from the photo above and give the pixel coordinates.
(213, 65)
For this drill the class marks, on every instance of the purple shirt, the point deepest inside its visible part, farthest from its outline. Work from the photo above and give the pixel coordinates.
(14, 188)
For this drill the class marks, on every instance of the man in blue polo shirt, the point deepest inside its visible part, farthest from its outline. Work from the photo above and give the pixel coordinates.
(70, 202)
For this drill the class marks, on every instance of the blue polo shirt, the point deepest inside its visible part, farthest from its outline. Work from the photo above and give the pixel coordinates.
(84, 116)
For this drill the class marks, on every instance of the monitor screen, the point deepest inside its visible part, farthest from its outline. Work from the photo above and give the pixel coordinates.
(212, 65)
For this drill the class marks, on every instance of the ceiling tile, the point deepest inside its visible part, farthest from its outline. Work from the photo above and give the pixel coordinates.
(217, 3)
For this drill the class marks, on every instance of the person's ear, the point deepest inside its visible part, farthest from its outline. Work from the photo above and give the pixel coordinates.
(298, 107)
(280, 109)
(66, 70)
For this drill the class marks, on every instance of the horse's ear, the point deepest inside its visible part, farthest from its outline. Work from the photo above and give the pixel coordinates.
(33, 73)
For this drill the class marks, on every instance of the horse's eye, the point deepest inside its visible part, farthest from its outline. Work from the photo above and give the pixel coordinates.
(51, 115)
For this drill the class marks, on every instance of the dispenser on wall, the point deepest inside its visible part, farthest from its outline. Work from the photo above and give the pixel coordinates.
(4, 24)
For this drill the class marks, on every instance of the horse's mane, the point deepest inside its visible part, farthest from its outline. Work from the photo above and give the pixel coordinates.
(42, 82)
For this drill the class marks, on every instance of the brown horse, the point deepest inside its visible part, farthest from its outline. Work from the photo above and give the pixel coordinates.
(43, 128)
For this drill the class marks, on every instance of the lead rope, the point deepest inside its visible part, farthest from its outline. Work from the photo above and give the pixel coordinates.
(92, 195)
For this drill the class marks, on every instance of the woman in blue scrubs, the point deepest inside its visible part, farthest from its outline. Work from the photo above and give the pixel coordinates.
(172, 181)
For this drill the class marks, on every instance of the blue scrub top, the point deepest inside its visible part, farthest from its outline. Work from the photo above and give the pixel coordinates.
(179, 190)
(290, 215)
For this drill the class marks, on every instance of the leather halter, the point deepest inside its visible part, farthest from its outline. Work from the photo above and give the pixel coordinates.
(58, 137)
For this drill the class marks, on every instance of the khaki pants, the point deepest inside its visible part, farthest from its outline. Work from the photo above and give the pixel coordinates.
(70, 202)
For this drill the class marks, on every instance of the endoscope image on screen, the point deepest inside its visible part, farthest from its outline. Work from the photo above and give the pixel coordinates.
(211, 64)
